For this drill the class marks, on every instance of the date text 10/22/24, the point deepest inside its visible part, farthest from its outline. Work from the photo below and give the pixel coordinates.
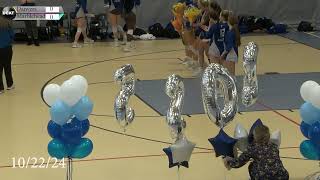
(34, 163)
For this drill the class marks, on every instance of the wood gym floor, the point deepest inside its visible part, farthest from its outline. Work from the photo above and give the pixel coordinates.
(24, 116)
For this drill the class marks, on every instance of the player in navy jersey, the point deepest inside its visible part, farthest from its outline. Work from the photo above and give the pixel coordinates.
(114, 11)
(213, 34)
(81, 11)
(223, 27)
(130, 10)
(232, 42)
(209, 43)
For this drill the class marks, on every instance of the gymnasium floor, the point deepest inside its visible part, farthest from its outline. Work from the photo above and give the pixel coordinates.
(24, 116)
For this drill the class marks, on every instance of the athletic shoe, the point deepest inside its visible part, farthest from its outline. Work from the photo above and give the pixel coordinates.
(2, 91)
(185, 60)
(129, 46)
(116, 43)
(88, 41)
(11, 87)
(29, 42)
(76, 45)
(36, 42)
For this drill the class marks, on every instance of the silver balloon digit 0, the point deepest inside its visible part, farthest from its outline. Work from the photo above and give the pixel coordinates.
(220, 114)
(250, 81)
(175, 91)
(125, 76)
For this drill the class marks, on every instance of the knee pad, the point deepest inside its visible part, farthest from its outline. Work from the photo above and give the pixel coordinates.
(79, 29)
(114, 29)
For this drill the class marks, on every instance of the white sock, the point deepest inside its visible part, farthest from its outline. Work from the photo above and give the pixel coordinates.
(130, 32)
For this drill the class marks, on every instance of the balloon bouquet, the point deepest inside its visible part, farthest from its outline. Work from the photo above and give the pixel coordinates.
(310, 125)
(70, 109)
(223, 112)
(180, 151)
(125, 77)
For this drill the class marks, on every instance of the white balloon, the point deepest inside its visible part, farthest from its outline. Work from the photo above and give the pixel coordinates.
(81, 82)
(240, 132)
(51, 93)
(315, 96)
(306, 89)
(70, 92)
(276, 137)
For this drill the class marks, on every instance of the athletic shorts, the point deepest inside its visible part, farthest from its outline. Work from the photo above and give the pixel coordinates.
(80, 14)
(232, 56)
(214, 50)
(114, 10)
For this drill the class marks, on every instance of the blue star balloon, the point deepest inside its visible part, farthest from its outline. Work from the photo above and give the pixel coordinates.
(255, 124)
(171, 164)
(223, 144)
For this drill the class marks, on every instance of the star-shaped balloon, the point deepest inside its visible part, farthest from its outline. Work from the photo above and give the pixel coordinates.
(179, 153)
(255, 124)
(223, 144)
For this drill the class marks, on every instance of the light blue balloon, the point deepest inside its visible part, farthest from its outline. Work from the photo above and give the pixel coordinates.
(309, 113)
(83, 108)
(57, 149)
(309, 151)
(60, 112)
(82, 150)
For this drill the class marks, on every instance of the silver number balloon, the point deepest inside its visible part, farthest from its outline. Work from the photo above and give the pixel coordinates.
(221, 115)
(175, 90)
(124, 76)
(250, 80)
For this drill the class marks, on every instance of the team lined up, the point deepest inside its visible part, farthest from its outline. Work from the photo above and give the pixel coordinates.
(214, 33)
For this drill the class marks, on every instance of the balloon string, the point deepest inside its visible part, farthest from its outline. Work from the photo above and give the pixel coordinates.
(69, 169)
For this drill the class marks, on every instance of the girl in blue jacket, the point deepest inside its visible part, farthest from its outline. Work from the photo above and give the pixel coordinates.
(81, 11)
(6, 38)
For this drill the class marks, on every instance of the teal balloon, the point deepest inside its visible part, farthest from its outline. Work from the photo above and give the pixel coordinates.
(83, 149)
(309, 151)
(83, 108)
(309, 113)
(57, 149)
(60, 112)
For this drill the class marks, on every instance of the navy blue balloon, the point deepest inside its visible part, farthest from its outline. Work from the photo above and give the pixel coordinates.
(223, 144)
(54, 129)
(255, 124)
(314, 133)
(85, 126)
(71, 132)
(83, 108)
(304, 127)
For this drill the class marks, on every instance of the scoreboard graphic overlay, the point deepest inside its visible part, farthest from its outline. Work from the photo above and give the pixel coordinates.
(33, 13)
